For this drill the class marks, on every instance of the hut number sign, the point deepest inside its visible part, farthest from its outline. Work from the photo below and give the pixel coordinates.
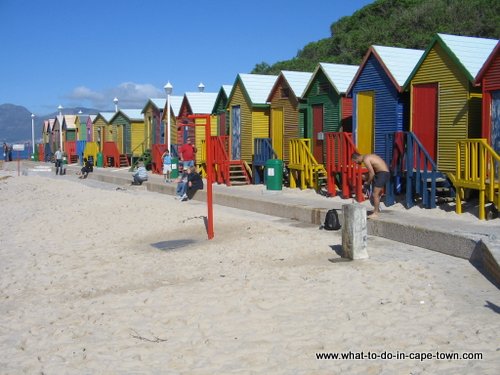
(18, 147)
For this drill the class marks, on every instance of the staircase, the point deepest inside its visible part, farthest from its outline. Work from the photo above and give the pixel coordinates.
(478, 168)
(340, 169)
(304, 167)
(156, 162)
(112, 157)
(410, 164)
(229, 172)
(263, 151)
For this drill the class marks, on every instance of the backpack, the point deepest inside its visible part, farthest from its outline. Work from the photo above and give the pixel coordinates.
(332, 221)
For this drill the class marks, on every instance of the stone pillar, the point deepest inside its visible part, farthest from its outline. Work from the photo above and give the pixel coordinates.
(354, 231)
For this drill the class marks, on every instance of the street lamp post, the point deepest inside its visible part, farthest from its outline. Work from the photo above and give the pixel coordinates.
(115, 100)
(168, 89)
(33, 133)
(60, 108)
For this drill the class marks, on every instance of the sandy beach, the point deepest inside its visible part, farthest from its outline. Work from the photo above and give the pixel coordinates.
(97, 279)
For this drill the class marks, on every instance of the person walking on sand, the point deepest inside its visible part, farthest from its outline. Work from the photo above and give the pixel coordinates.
(378, 174)
(58, 158)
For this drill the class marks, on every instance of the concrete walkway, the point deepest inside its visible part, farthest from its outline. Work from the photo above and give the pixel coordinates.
(439, 229)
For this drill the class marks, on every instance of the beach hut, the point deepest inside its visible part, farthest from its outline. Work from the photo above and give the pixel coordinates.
(89, 128)
(445, 104)
(57, 133)
(153, 112)
(101, 131)
(285, 98)
(327, 109)
(248, 113)
(220, 110)
(196, 103)
(379, 103)
(130, 134)
(489, 79)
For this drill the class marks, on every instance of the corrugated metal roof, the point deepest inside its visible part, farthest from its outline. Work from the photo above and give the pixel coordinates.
(175, 104)
(107, 116)
(340, 75)
(257, 86)
(92, 118)
(201, 102)
(159, 103)
(471, 52)
(399, 61)
(51, 123)
(297, 81)
(133, 114)
(70, 121)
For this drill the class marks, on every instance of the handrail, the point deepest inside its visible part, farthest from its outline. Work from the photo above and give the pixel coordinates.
(340, 148)
(406, 156)
(263, 151)
(303, 163)
(110, 149)
(477, 167)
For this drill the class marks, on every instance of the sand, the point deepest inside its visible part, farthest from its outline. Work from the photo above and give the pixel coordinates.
(97, 279)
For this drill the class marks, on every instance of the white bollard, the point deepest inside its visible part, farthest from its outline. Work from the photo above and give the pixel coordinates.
(354, 231)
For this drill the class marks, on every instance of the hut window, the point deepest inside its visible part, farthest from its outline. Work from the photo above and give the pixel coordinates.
(285, 92)
(323, 88)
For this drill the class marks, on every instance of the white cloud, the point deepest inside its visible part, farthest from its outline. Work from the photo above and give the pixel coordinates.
(129, 94)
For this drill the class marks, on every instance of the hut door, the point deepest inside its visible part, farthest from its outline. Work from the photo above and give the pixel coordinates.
(365, 121)
(424, 116)
(495, 121)
(277, 131)
(235, 133)
(317, 136)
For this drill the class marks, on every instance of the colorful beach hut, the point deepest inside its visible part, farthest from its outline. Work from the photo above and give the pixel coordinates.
(379, 103)
(57, 133)
(285, 98)
(153, 112)
(327, 109)
(489, 79)
(445, 104)
(101, 131)
(248, 113)
(220, 110)
(196, 103)
(128, 124)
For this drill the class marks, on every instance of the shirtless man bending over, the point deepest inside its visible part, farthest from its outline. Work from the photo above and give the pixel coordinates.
(378, 173)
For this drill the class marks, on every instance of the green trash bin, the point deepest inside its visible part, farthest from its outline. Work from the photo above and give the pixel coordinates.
(175, 168)
(274, 174)
(99, 159)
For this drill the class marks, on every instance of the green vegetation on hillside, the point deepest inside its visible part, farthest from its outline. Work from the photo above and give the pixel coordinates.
(394, 23)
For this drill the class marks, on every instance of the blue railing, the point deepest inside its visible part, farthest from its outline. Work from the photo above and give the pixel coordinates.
(263, 151)
(408, 160)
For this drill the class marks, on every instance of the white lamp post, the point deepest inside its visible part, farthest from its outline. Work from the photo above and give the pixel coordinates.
(115, 100)
(33, 132)
(168, 89)
(60, 108)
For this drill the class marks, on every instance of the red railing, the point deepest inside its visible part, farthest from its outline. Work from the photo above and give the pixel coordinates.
(220, 147)
(109, 150)
(157, 163)
(339, 148)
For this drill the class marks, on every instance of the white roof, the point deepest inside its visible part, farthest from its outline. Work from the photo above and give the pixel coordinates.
(339, 75)
(107, 116)
(175, 104)
(399, 61)
(201, 102)
(258, 86)
(297, 81)
(470, 51)
(133, 114)
(92, 118)
(159, 102)
(70, 121)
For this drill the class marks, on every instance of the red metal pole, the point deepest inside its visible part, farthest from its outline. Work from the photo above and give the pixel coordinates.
(210, 167)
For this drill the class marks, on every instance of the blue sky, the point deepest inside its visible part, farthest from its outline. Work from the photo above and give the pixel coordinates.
(86, 52)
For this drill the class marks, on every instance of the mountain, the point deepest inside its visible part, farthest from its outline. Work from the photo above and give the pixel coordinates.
(394, 23)
(15, 122)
